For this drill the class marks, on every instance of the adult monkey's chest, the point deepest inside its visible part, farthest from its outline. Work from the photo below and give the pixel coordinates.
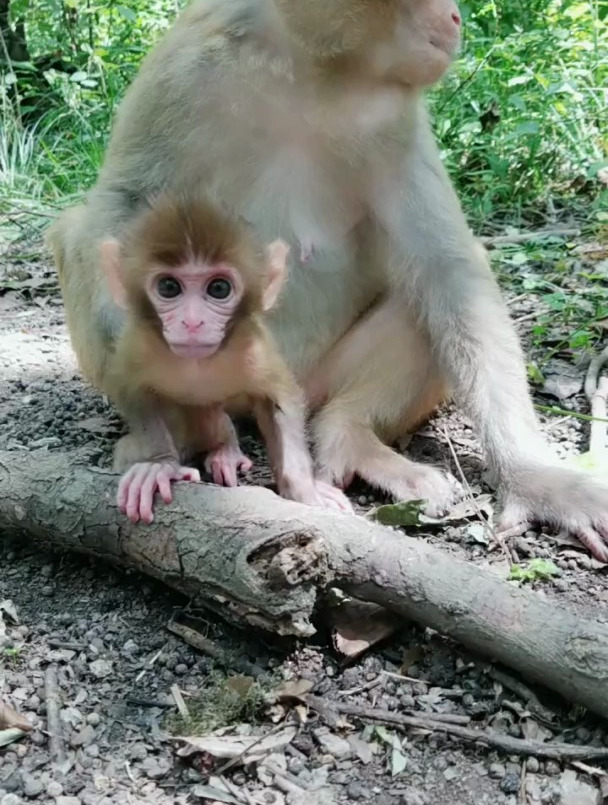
(307, 195)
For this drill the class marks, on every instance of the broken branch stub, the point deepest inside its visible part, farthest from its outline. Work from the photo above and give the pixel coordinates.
(259, 560)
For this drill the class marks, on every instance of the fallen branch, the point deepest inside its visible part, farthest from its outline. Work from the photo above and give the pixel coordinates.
(53, 721)
(262, 561)
(489, 737)
(526, 237)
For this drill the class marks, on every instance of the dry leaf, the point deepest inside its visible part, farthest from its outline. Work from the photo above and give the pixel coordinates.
(241, 685)
(357, 625)
(7, 607)
(411, 656)
(213, 794)
(10, 718)
(463, 510)
(293, 689)
(10, 736)
(362, 749)
(250, 749)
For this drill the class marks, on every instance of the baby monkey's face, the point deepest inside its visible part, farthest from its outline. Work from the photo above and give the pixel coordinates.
(195, 304)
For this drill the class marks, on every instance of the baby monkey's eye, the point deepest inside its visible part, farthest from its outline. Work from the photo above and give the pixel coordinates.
(168, 287)
(219, 288)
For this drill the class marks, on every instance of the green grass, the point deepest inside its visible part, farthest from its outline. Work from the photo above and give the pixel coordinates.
(222, 701)
(522, 119)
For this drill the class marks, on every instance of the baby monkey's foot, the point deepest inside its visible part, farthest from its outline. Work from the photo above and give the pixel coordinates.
(139, 484)
(224, 463)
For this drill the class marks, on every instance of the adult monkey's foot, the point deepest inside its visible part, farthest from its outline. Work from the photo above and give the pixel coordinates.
(568, 499)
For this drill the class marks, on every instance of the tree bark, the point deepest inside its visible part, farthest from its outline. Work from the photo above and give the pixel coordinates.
(259, 560)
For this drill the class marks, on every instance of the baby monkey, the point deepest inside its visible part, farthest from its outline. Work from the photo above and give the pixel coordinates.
(195, 286)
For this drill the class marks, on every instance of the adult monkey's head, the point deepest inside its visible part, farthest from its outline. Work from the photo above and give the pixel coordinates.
(406, 42)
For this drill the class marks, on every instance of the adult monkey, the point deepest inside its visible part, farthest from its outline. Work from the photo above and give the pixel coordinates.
(308, 118)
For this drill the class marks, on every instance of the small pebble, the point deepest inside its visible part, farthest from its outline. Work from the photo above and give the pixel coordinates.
(84, 737)
(552, 768)
(54, 789)
(137, 752)
(32, 786)
(510, 783)
(497, 771)
(532, 765)
(155, 768)
(94, 719)
(413, 796)
(583, 734)
(356, 791)
(560, 584)
(180, 669)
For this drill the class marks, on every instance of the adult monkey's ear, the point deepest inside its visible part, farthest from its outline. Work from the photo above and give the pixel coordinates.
(276, 256)
(109, 252)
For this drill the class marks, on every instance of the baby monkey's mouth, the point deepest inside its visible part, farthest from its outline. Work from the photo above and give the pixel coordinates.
(194, 350)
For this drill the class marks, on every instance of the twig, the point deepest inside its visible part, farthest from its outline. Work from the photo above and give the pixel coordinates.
(482, 518)
(522, 798)
(53, 722)
(284, 779)
(362, 688)
(206, 646)
(524, 693)
(525, 237)
(555, 409)
(234, 760)
(403, 678)
(239, 793)
(526, 316)
(489, 737)
(67, 646)
(139, 702)
(596, 390)
(151, 662)
(442, 718)
(592, 771)
(180, 703)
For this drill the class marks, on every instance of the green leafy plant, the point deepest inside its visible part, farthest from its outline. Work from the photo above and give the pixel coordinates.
(536, 570)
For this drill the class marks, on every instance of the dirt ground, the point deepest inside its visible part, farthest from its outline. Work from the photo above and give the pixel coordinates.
(105, 629)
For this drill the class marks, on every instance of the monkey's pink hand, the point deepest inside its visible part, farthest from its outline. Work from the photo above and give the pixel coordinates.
(139, 484)
(330, 497)
(317, 493)
(224, 463)
(569, 499)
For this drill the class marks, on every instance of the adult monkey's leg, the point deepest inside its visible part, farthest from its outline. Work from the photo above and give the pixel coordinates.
(440, 267)
(376, 384)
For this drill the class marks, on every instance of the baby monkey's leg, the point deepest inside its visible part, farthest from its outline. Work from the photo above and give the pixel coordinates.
(225, 458)
(282, 425)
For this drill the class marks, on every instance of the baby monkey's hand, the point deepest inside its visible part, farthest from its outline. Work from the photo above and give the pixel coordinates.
(139, 484)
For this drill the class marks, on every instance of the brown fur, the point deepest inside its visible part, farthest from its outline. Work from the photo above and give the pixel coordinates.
(308, 118)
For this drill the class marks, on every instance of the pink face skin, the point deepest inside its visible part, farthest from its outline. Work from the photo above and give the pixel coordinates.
(195, 303)
(424, 42)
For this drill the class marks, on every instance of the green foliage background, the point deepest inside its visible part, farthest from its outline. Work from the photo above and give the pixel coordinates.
(522, 118)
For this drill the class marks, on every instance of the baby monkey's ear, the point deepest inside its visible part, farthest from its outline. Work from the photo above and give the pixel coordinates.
(109, 251)
(276, 255)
